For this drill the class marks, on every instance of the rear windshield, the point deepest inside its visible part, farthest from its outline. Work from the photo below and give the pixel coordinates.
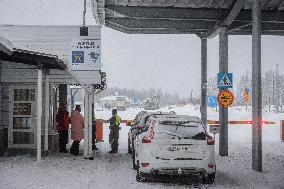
(179, 130)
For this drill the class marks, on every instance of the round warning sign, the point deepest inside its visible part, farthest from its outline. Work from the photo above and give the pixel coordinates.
(225, 98)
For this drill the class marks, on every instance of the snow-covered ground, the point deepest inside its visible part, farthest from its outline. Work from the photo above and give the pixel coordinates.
(115, 170)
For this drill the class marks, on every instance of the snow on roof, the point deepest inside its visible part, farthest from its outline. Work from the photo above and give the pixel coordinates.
(6, 45)
(178, 118)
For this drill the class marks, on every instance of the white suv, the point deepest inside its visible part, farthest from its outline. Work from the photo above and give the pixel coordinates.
(175, 145)
(139, 127)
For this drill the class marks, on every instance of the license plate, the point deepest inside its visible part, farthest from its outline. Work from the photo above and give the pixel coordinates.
(179, 148)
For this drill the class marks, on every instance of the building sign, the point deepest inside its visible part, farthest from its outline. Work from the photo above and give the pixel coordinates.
(225, 80)
(86, 54)
(225, 98)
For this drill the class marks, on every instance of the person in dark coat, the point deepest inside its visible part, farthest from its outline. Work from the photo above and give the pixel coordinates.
(62, 125)
(114, 131)
(77, 129)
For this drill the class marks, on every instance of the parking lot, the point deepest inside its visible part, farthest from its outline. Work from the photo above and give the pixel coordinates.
(115, 170)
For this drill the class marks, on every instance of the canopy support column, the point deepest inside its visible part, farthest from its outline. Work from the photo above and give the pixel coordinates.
(256, 87)
(203, 108)
(223, 111)
(91, 101)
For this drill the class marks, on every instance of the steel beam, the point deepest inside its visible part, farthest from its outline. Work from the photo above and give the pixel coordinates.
(132, 26)
(228, 20)
(203, 108)
(129, 30)
(168, 13)
(196, 14)
(256, 87)
(162, 23)
(223, 111)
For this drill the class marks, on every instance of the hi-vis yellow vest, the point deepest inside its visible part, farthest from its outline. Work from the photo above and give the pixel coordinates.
(117, 120)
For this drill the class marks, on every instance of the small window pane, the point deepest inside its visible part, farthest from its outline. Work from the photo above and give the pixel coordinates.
(23, 138)
(22, 123)
(24, 94)
(22, 109)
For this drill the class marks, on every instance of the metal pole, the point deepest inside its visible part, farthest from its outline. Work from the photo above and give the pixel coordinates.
(273, 90)
(86, 125)
(223, 112)
(256, 87)
(203, 108)
(39, 112)
(63, 93)
(84, 14)
(55, 107)
(191, 97)
(46, 117)
(72, 100)
(91, 101)
(277, 89)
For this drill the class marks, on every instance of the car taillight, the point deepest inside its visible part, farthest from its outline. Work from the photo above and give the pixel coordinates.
(211, 165)
(209, 139)
(145, 164)
(148, 137)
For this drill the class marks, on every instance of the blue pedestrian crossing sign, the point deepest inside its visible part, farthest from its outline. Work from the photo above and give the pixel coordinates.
(211, 101)
(225, 80)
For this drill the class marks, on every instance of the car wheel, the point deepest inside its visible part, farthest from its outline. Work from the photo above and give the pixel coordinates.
(209, 179)
(129, 148)
(140, 177)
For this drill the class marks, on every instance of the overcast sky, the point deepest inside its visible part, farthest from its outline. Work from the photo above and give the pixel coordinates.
(170, 62)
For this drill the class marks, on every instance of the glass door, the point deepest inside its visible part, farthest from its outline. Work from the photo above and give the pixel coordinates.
(22, 117)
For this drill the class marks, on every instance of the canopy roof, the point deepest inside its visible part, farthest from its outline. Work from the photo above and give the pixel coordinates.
(201, 17)
(34, 58)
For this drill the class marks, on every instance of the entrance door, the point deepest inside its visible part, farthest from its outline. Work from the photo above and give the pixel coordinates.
(22, 117)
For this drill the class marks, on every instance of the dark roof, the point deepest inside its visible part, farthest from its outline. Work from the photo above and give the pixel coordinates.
(202, 17)
(34, 58)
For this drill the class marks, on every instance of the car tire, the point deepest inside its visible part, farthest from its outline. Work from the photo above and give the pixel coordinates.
(140, 177)
(129, 148)
(209, 179)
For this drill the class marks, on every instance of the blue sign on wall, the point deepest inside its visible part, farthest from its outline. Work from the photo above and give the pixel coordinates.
(211, 101)
(77, 57)
(225, 80)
